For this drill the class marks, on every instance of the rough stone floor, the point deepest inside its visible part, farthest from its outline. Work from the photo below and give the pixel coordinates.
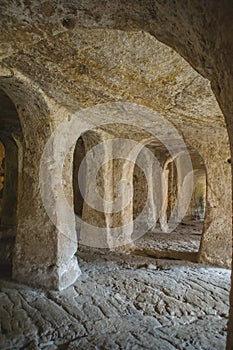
(182, 243)
(121, 302)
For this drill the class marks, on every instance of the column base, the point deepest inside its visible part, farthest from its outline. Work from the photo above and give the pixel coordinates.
(49, 277)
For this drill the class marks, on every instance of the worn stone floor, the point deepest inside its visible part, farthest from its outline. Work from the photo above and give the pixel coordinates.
(182, 243)
(120, 302)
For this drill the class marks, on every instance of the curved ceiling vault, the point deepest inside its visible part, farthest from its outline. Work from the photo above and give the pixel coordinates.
(81, 68)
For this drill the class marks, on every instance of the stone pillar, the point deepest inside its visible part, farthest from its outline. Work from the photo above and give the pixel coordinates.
(140, 190)
(108, 206)
(120, 221)
(92, 228)
(215, 247)
(164, 191)
(168, 194)
(43, 255)
(177, 190)
(148, 191)
(172, 191)
(185, 182)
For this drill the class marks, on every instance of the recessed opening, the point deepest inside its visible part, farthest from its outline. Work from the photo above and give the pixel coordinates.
(2, 175)
(10, 136)
(174, 235)
(79, 155)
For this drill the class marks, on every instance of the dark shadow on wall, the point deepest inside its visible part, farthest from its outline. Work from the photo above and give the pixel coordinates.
(10, 133)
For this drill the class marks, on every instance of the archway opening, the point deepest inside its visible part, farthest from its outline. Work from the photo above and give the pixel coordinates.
(79, 155)
(175, 234)
(87, 216)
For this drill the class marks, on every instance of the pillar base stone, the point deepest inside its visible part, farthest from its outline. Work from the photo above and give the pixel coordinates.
(49, 277)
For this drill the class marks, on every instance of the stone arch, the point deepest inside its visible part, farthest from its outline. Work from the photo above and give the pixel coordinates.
(108, 178)
(197, 175)
(109, 222)
(160, 187)
(197, 206)
(36, 260)
(196, 30)
(208, 185)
